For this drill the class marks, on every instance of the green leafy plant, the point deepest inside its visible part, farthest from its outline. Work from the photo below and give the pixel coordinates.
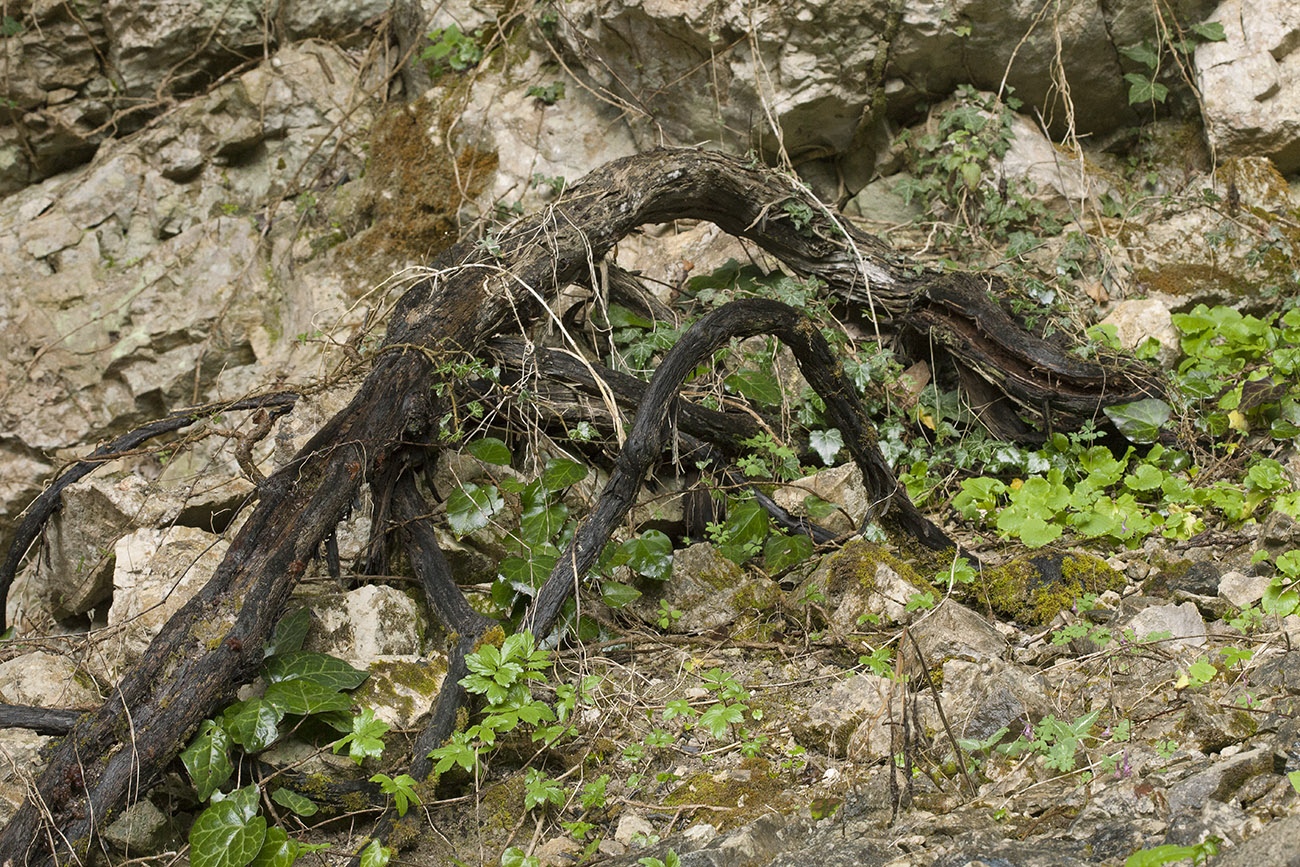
(451, 50)
(540, 790)
(1144, 88)
(952, 170)
(501, 675)
(547, 94)
(230, 832)
(1198, 853)
(401, 788)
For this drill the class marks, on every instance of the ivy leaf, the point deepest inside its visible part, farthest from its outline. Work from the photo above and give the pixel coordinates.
(470, 507)
(1210, 31)
(782, 551)
(1140, 421)
(207, 759)
(540, 522)
(319, 668)
(291, 800)
(756, 385)
(253, 724)
(618, 595)
(277, 849)
(1144, 54)
(229, 833)
(490, 450)
(650, 555)
(560, 473)
(289, 633)
(526, 574)
(827, 444)
(376, 855)
(745, 530)
(304, 697)
(1143, 89)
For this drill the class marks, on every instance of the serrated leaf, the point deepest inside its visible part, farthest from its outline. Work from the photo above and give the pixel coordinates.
(291, 800)
(650, 554)
(289, 633)
(253, 724)
(304, 697)
(490, 450)
(756, 385)
(716, 719)
(560, 473)
(207, 759)
(1141, 420)
(365, 739)
(782, 551)
(228, 833)
(615, 594)
(470, 507)
(319, 668)
(827, 444)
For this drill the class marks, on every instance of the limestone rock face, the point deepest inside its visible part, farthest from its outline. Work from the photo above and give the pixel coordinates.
(154, 574)
(806, 67)
(1250, 82)
(1139, 319)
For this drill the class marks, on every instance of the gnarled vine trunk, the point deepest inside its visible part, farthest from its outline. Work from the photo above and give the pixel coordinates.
(215, 642)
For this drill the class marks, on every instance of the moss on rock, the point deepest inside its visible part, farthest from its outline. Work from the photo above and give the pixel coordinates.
(1033, 590)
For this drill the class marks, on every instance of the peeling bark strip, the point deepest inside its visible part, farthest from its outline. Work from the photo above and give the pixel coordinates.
(193, 666)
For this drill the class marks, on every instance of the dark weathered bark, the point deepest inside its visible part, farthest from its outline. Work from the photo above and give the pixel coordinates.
(214, 643)
(651, 429)
(42, 720)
